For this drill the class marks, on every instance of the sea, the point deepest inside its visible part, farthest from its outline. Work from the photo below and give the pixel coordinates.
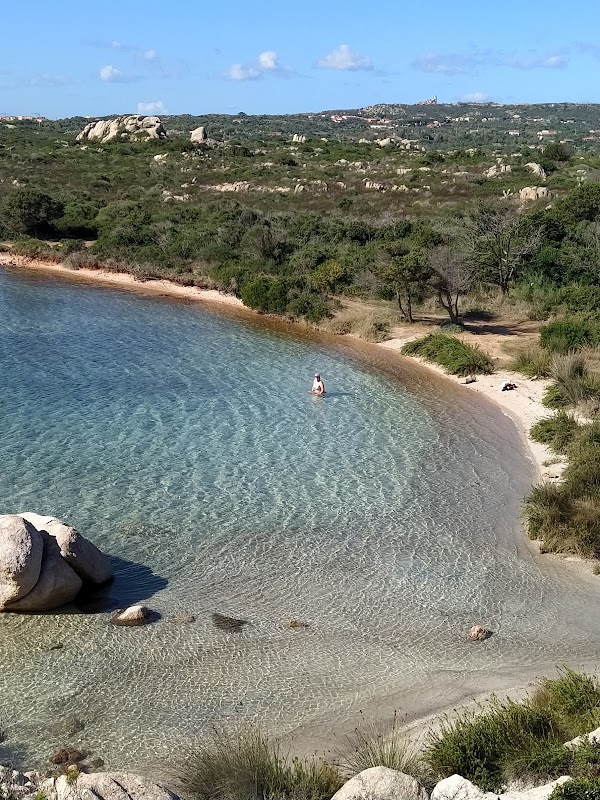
(382, 520)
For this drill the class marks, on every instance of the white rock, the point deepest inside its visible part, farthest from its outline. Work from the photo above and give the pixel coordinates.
(198, 135)
(458, 788)
(381, 783)
(80, 554)
(132, 616)
(57, 583)
(537, 169)
(592, 738)
(298, 138)
(21, 552)
(161, 158)
(531, 193)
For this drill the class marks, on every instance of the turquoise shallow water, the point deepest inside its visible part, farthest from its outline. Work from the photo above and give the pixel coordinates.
(186, 445)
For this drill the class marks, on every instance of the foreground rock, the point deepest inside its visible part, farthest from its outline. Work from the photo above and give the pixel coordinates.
(478, 633)
(21, 551)
(133, 126)
(44, 563)
(381, 783)
(457, 788)
(198, 135)
(104, 786)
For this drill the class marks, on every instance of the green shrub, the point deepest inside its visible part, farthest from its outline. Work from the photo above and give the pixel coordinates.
(557, 432)
(247, 766)
(507, 739)
(566, 335)
(266, 294)
(572, 381)
(455, 356)
(578, 789)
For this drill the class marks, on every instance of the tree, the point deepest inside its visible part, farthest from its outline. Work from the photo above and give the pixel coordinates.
(498, 242)
(406, 272)
(454, 275)
(30, 211)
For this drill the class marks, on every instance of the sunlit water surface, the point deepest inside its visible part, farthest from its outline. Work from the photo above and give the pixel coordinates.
(186, 445)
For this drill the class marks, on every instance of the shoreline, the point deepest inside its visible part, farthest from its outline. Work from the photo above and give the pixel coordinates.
(523, 405)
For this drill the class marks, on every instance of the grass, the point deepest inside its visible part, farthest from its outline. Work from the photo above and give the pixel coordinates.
(248, 766)
(380, 745)
(532, 361)
(455, 356)
(373, 326)
(507, 740)
(578, 789)
(572, 381)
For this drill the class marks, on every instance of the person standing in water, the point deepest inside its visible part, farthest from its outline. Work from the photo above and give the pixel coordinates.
(318, 386)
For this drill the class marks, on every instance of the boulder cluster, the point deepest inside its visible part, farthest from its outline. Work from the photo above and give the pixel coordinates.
(134, 126)
(44, 563)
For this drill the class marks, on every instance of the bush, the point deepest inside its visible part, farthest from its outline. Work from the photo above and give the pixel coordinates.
(578, 789)
(566, 335)
(266, 294)
(508, 740)
(373, 326)
(572, 382)
(247, 766)
(557, 432)
(455, 356)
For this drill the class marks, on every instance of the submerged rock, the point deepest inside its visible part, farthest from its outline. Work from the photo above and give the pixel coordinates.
(228, 623)
(478, 633)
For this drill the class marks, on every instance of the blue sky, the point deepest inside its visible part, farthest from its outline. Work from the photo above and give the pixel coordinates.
(68, 57)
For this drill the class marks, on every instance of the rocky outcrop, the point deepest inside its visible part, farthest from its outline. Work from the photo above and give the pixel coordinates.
(498, 169)
(45, 562)
(198, 135)
(457, 788)
(383, 784)
(21, 551)
(531, 193)
(537, 169)
(298, 138)
(135, 126)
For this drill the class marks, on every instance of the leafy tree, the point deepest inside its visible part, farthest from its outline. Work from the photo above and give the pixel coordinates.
(32, 212)
(406, 273)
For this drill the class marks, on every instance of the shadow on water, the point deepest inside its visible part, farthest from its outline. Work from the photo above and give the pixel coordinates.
(132, 583)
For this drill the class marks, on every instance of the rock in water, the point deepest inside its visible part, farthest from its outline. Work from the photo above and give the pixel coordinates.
(21, 551)
(57, 583)
(132, 616)
(381, 783)
(81, 555)
(478, 633)
(104, 786)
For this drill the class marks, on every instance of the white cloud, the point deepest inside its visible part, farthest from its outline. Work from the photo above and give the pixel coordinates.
(149, 55)
(111, 74)
(475, 97)
(447, 63)
(266, 64)
(152, 108)
(344, 58)
(557, 60)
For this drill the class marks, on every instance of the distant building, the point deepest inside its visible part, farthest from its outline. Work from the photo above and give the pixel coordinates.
(431, 102)
(21, 118)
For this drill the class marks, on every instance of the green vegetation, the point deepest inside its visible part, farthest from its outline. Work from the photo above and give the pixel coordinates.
(566, 335)
(578, 789)
(531, 360)
(455, 356)
(557, 432)
(508, 739)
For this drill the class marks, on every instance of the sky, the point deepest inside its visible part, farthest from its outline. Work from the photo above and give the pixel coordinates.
(62, 58)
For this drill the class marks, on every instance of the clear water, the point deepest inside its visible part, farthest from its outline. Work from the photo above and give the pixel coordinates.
(186, 445)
